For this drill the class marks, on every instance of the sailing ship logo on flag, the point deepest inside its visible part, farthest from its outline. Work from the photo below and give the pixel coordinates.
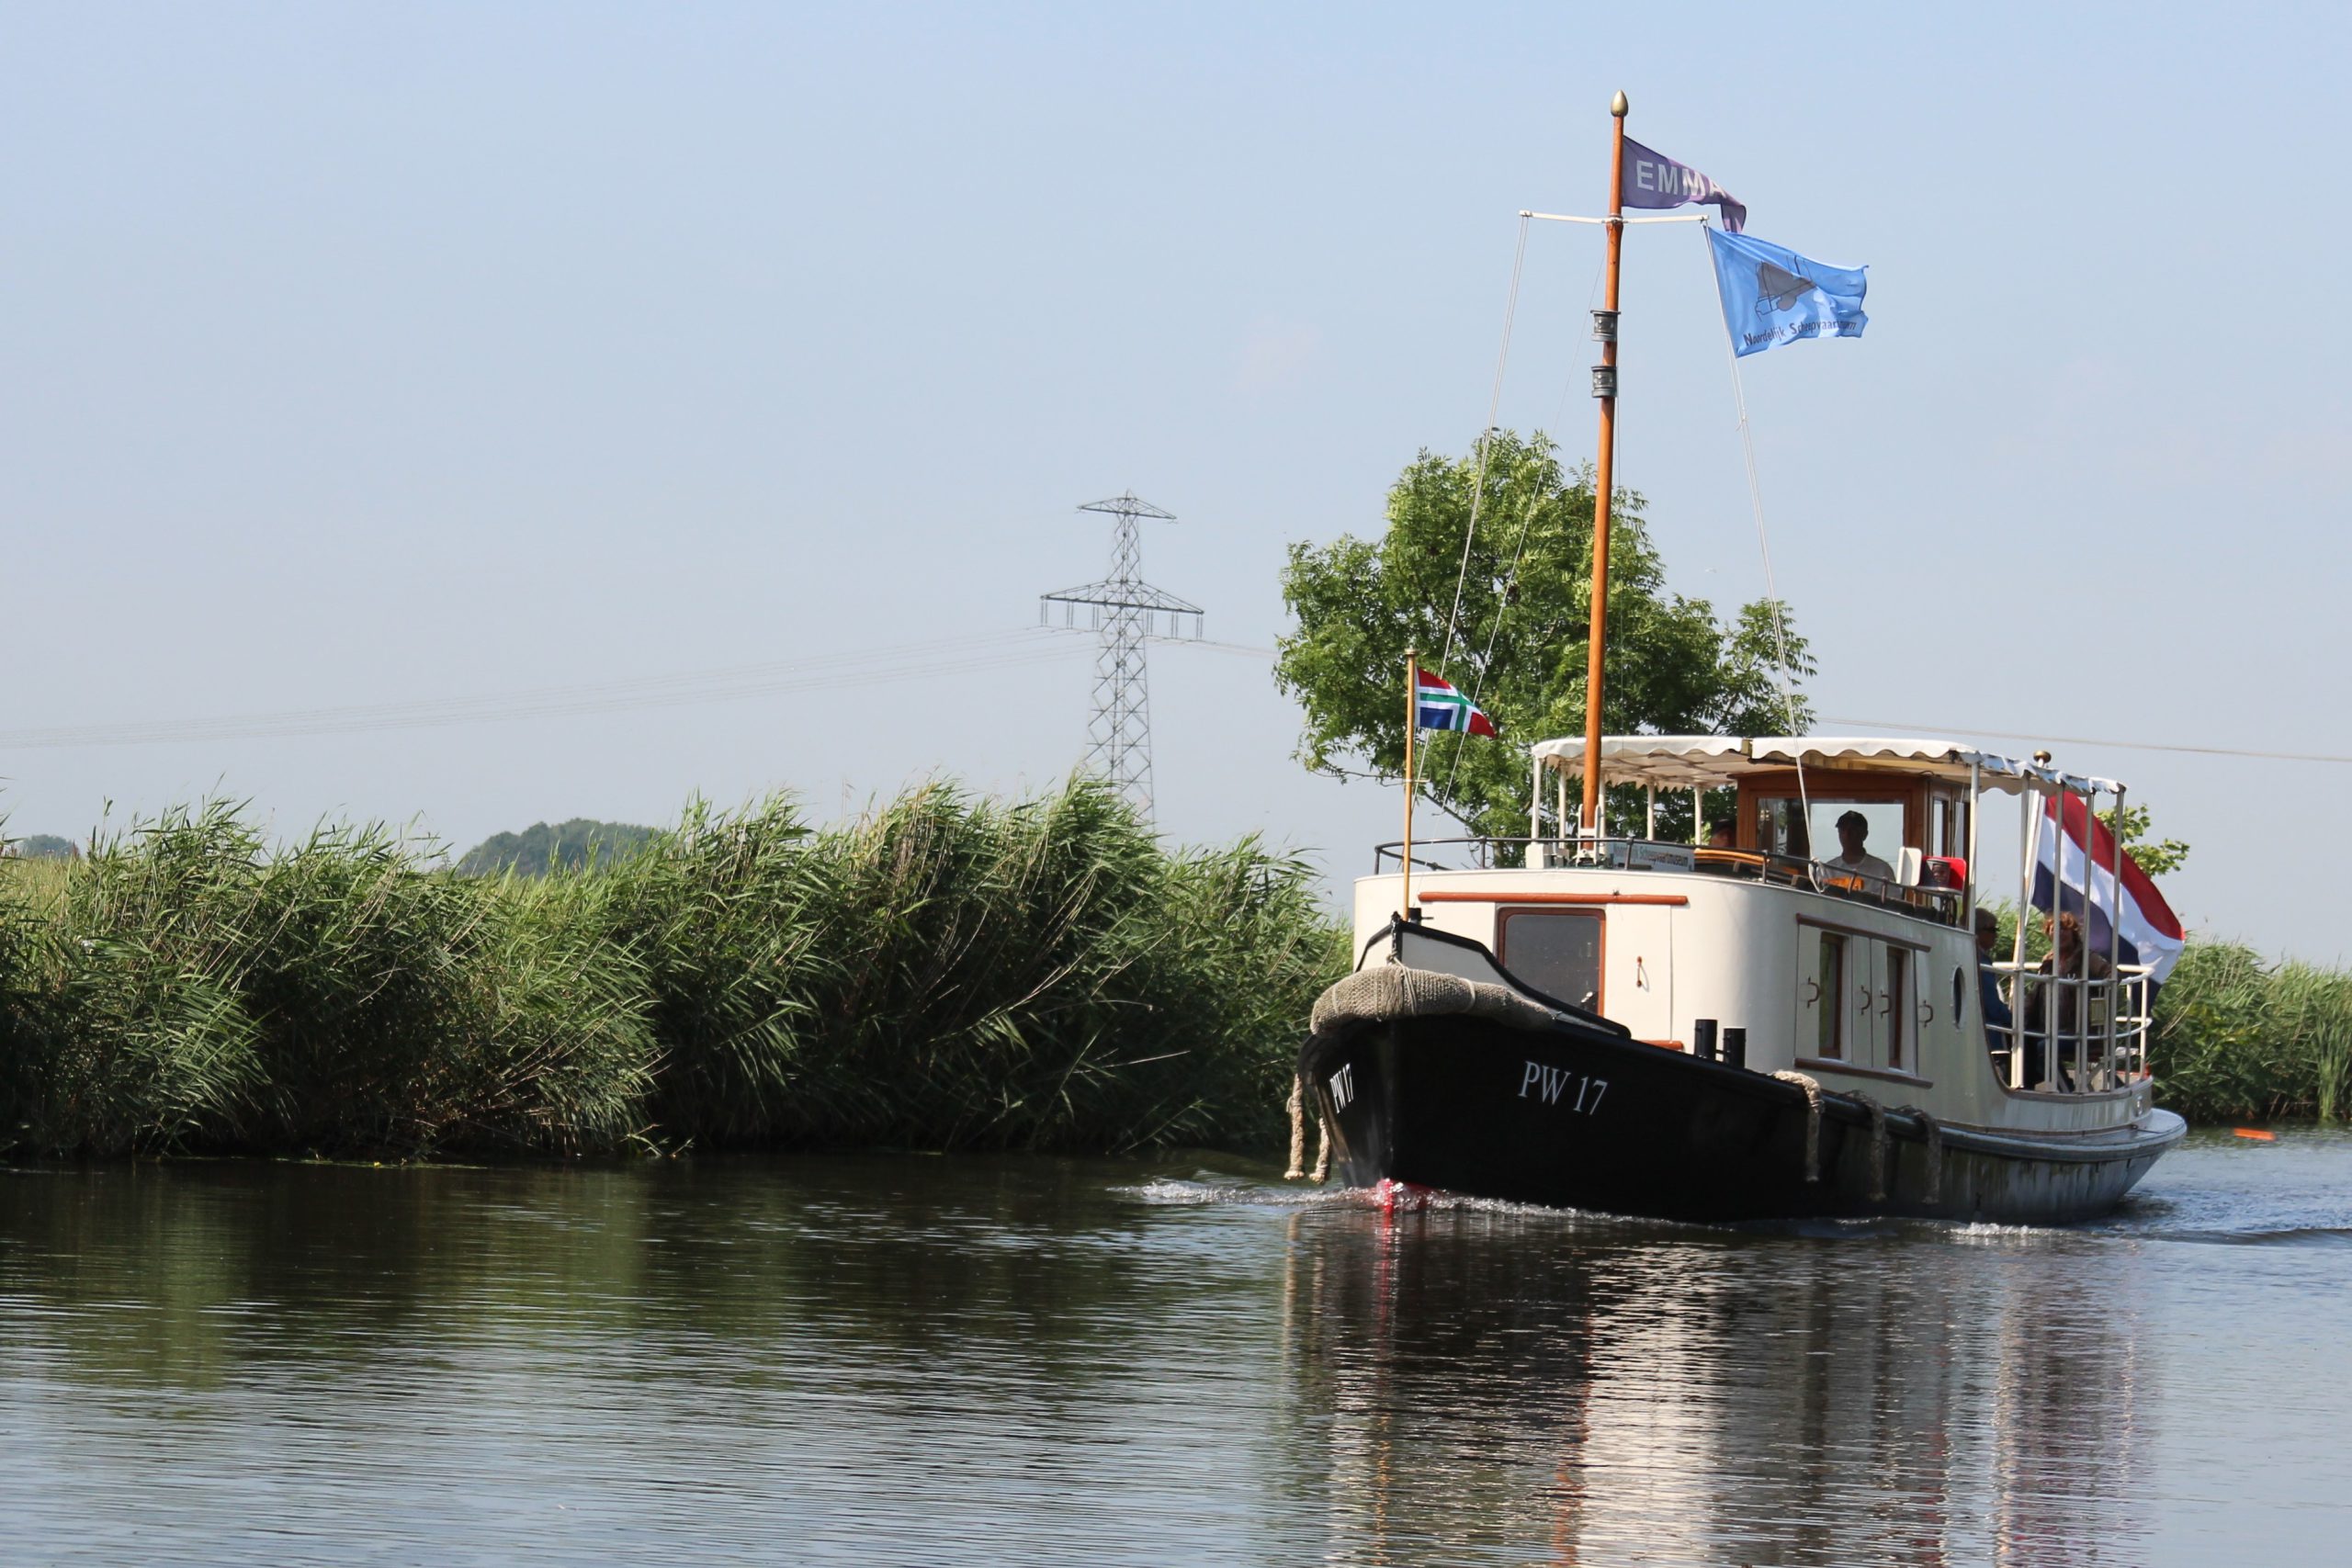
(1778, 288)
(1772, 296)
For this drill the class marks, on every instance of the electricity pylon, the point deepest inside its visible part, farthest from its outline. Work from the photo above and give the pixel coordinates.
(1127, 611)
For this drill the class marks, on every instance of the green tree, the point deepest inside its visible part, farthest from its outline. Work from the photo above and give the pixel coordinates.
(2155, 856)
(567, 846)
(1520, 644)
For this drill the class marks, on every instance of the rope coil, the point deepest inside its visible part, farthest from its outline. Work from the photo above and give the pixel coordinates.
(1298, 1127)
(1812, 1087)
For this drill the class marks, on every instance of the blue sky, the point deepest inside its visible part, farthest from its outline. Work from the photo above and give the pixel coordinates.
(369, 354)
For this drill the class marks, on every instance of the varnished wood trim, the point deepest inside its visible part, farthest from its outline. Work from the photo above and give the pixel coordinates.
(1668, 899)
(1666, 1044)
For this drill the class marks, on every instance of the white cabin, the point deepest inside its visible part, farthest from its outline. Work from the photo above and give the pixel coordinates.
(1767, 951)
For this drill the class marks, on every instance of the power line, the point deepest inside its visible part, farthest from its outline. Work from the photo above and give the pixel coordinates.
(935, 660)
(1893, 726)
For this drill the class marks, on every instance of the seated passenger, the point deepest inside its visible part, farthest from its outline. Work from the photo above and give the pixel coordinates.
(2066, 955)
(1853, 828)
(1998, 1018)
(1722, 836)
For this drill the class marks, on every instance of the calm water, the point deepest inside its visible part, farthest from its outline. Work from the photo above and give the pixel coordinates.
(946, 1360)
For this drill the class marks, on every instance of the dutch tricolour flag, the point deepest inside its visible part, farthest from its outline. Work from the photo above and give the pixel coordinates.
(1439, 706)
(2147, 931)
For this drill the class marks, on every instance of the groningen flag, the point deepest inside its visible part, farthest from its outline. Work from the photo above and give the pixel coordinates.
(1650, 180)
(1437, 705)
(1772, 296)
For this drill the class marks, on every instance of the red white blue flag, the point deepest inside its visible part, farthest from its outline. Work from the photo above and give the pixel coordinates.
(1437, 705)
(2146, 930)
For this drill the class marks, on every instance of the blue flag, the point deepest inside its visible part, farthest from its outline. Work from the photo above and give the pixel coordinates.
(1772, 296)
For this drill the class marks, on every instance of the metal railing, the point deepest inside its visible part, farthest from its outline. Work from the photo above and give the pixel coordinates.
(1944, 904)
(2072, 1034)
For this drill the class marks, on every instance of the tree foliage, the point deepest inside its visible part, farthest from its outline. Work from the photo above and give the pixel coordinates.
(2155, 856)
(539, 849)
(1519, 644)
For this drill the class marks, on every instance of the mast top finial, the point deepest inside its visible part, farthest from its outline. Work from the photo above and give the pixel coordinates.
(1618, 105)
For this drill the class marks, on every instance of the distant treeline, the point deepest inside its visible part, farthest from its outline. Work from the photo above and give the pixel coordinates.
(946, 973)
(568, 846)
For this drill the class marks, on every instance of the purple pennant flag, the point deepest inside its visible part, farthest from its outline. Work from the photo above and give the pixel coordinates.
(1653, 181)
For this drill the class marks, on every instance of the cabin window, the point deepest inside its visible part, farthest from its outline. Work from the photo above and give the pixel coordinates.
(1555, 951)
(1781, 829)
(1897, 1002)
(1830, 1022)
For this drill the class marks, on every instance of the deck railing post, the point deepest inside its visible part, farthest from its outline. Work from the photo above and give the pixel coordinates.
(2115, 944)
(2083, 1004)
(1534, 814)
(2028, 822)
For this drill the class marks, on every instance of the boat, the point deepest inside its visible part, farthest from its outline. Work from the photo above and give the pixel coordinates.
(1736, 1028)
(1737, 1031)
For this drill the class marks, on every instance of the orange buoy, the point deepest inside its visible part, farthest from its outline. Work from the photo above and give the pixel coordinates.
(2257, 1135)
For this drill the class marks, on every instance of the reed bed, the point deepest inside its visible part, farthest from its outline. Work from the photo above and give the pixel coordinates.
(948, 972)
(2237, 1039)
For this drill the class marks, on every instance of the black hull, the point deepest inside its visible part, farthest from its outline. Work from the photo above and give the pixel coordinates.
(1575, 1117)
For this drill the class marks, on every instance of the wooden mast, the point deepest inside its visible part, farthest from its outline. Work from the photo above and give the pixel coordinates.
(1412, 723)
(1605, 389)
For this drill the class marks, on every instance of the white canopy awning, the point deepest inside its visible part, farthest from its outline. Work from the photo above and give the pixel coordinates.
(1694, 761)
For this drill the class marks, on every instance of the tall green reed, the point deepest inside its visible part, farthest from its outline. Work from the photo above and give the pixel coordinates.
(2237, 1038)
(948, 971)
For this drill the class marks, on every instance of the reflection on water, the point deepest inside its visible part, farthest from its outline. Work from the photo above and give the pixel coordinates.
(1694, 1398)
(932, 1361)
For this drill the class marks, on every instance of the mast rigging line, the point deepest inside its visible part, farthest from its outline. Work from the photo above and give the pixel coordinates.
(1485, 437)
(1771, 588)
(1485, 434)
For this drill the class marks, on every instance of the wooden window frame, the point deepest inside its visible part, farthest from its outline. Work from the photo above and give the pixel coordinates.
(1826, 784)
(1832, 997)
(1503, 914)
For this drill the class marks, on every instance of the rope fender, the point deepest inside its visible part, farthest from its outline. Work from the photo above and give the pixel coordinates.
(1812, 1087)
(1935, 1135)
(1878, 1141)
(1298, 1136)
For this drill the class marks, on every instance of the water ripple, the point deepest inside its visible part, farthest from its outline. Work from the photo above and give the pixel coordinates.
(874, 1360)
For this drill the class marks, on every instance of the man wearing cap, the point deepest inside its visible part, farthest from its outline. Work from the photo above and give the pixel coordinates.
(1852, 829)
